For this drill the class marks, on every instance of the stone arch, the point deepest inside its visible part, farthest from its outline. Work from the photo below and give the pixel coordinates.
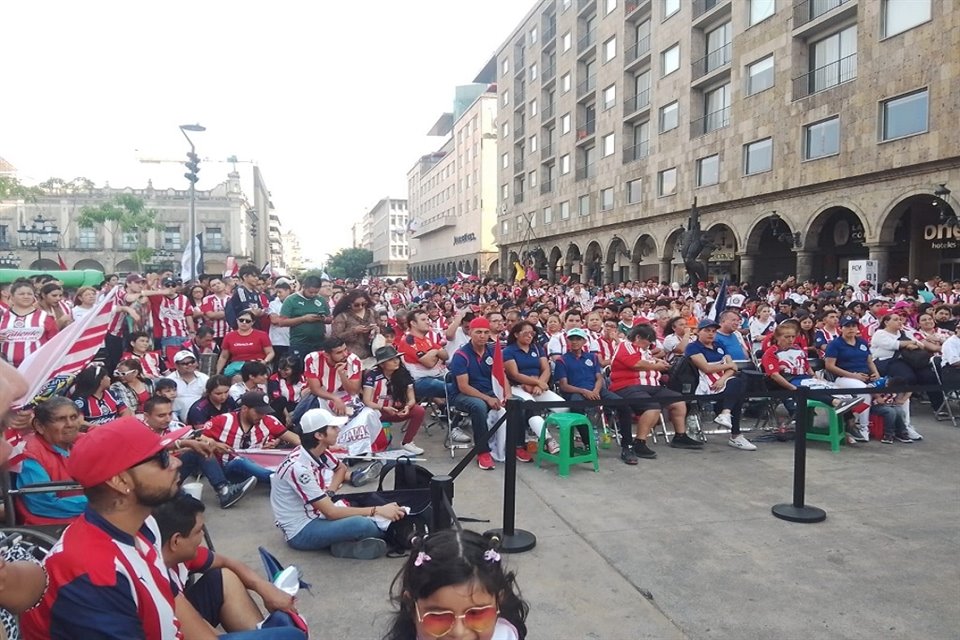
(89, 263)
(918, 234)
(671, 244)
(476, 269)
(723, 261)
(494, 269)
(126, 266)
(835, 236)
(553, 263)
(822, 216)
(45, 264)
(768, 250)
(593, 263)
(644, 258)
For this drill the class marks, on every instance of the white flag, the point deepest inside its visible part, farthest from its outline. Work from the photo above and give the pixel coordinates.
(190, 272)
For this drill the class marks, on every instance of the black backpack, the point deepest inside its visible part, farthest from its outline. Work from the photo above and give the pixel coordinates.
(684, 377)
(406, 475)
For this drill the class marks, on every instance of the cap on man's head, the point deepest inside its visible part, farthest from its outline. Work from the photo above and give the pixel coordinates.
(169, 282)
(134, 277)
(185, 354)
(115, 447)
(316, 419)
(849, 321)
(257, 401)
(576, 332)
(864, 283)
(479, 323)
(707, 323)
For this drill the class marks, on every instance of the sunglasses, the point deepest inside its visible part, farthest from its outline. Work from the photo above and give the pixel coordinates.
(244, 321)
(187, 362)
(162, 457)
(122, 373)
(440, 623)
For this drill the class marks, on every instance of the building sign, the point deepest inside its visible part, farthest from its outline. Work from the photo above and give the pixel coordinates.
(467, 237)
(722, 256)
(858, 270)
(942, 236)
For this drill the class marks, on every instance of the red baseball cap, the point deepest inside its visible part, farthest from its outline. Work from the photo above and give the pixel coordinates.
(115, 447)
(479, 323)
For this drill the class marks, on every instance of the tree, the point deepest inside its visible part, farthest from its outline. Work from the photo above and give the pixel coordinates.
(122, 214)
(349, 263)
(13, 189)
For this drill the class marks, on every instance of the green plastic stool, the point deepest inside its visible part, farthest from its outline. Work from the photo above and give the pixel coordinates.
(566, 422)
(832, 433)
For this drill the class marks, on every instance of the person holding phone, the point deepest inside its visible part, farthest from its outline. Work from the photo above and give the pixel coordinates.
(306, 313)
(355, 322)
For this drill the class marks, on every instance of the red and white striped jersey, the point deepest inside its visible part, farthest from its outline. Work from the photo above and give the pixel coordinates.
(226, 428)
(22, 335)
(119, 300)
(300, 482)
(789, 363)
(170, 316)
(606, 347)
(864, 296)
(212, 303)
(149, 362)
(622, 373)
(65, 307)
(316, 366)
(376, 380)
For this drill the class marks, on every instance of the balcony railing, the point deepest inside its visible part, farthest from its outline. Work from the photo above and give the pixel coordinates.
(546, 187)
(587, 40)
(546, 152)
(518, 164)
(518, 198)
(637, 102)
(829, 75)
(700, 7)
(583, 5)
(549, 34)
(636, 152)
(520, 62)
(639, 49)
(549, 73)
(586, 130)
(710, 122)
(712, 61)
(586, 171)
(587, 86)
(547, 112)
(519, 93)
(809, 10)
(518, 130)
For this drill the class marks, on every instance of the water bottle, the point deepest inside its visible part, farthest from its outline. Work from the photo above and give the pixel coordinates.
(387, 433)
(880, 382)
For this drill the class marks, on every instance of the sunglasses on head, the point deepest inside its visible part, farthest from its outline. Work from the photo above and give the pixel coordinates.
(440, 623)
(162, 457)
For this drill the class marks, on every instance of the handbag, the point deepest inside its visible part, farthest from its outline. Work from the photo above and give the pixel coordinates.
(917, 358)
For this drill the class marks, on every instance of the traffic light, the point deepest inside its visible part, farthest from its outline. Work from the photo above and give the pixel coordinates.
(193, 166)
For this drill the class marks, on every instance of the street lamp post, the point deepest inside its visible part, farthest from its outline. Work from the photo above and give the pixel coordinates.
(10, 261)
(41, 234)
(191, 175)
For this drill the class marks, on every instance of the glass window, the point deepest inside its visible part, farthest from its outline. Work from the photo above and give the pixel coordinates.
(505, 160)
(758, 156)
(760, 75)
(716, 106)
(708, 170)
(833, 59)
(609, 6)
(718, 46)
(505, 66)
(670, 60)
(904, 116)
(821, 139)
(565, 210)
(533, 35)
(213, 239)
(565, 123)
(505, 129)
(130, 241)
(566, 41)
(634, 191)
(565, 83)
(667, 182)
(505, 226)
(564, 164)
(171, 238)
(606, 199)
(610, 49)
(533, 219)
(533, 107)
(583, 205)
(609, 96)
(533, 143)
(547, 215)
(901, 15)
(505, 98)
(607, 145)
(532, 179)
(533, 71)
(669, 117)
(761, 10)
(87, 238)
(504, 191)
(670, 7)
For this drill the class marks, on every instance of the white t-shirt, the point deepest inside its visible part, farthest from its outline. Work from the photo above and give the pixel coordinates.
(279, 336)
(298, 481)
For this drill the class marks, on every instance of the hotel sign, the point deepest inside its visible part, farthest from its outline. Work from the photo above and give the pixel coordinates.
(467, 237)
(942, 236)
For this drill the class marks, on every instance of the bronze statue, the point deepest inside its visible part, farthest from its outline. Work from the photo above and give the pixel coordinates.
(695, 248)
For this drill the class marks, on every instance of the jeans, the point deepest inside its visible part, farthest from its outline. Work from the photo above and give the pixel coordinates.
(239, 469)
(275, 633)
(428, 388)
(893, 417)
(732, 398)
(193, 463)
(624, 416)
(320, 533)
(477, 409)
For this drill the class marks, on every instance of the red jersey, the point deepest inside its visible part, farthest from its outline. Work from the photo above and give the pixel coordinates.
(246, 348)
(622, 373)
(316, 366)
(789, 362)
(170, 316)
(22, 335)
(412, 348)
(150, 362)
(226, 428)
(212, 303)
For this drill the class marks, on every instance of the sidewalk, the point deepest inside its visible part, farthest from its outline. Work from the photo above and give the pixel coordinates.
(685, 545)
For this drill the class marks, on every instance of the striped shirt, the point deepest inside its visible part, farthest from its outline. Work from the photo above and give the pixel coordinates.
(100, 410)
(119, 300)
(170, 316)
(622, 373)
(213, 303)
(22, 335)
(317, 366)
(149, 362)
(226, 428)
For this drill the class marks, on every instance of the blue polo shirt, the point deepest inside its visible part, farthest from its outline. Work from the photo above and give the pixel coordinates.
(580, 371)
(528, 363)
(851, 358)
(713, 355)
(479, 369)
(730, 345)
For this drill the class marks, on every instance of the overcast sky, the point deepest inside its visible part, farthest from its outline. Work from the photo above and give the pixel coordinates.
(331, 99)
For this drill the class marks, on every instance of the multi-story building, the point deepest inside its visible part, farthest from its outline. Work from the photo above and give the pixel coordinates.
(452, 191)
(264, 224)
(808, 132)
(292, 252)
(388, 227)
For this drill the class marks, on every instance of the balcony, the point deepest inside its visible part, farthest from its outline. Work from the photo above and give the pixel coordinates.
(546, 153)
(549, 73)
(519, 62)
(587, 41)
(587, 87)
(518, 198)
(546, 187)
(518, 164)
(637, 52)
(710, 122)
(632, 8)
(518, 130)
(637, 103)
(825, 77)
(549, 34)
(707, 12)
(547, 113)
(586, 130)
(584, 5)
(519, 93)
(810, 10)
(586, 171)
(714, 60)
(435, 224)
(636, 152)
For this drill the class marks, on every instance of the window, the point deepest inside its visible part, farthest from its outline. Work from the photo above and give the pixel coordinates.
(708, 170)
(716, 107)
(505, 160)
(667, 182)
(669, 116)
(505, 98)
(758, 156)
(533, 71)
(565, 210)
(610, 49)
(634, 192)
(718, 47)
(670, 60)
(505, 227)
(566, 41)
(547, 215)
(565, 123)
(609, 96)
(129, 241)
(565, 83)
(533, 219)
(505, 66)
(533, 143)
(833, 60)
(760, 10)
(607, 145)
(533, 35)
(821, 139)
(565, 164)
(760, 75)
(533, 107)
(606, 199)
(87, 238)
(583, 205)
(904, 116)
(505, 129)
(532, 179)
(171, 238)
(901, 15)
(504, 191)
(609, 6)
(670, 7)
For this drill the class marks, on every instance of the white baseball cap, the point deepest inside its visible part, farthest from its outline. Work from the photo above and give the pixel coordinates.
(316, 419)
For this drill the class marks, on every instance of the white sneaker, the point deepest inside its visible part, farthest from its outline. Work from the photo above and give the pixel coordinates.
(742, 443)
(457, 435)
(913, 433)
(552, 445)
(412, 448)
(723, 419)
(864, 434)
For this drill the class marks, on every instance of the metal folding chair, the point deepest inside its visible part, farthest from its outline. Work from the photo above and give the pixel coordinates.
(945, 410)
(455, 418)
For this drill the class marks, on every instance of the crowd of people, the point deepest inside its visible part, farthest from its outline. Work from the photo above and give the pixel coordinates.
(329, 373)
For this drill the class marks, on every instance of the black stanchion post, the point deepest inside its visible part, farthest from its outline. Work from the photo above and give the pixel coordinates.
(798, 511)
(441, 487)
(512, 540)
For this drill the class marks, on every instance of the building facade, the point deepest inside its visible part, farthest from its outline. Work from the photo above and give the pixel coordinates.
(452, 192)
(292, 253)
(264, 225)
(808, 132)
(388, 228)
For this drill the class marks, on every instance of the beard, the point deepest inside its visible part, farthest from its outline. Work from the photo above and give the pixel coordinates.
(154, 497)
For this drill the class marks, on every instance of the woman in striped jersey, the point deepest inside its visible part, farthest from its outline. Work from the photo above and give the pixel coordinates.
(92, 396)
(24, 328)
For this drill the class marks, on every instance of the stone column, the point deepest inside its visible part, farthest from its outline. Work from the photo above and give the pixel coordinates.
(634, 270)
(804, 265)
(607, 273)
(504, 262)
(746, 269)
(666, 266)
(881, 253)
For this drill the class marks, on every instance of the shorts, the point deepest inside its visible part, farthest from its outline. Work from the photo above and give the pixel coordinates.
(641, 392)
(206, 596)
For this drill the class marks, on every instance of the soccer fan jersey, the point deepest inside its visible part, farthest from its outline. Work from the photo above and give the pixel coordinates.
(300, 480)
(170, 316)
(226, 428)
(22, 335)
(213, 303)
(622, 373)
(317, 366)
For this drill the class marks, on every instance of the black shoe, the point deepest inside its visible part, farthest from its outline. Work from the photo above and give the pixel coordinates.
(364, 549)
(230, 494)
(628, 456)
(642, 450)
(683, 441)
(904, 438)
(360, 477)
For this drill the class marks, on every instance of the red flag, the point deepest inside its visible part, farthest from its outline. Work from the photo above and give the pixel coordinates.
(499, 375)
(232, 268)
(63, 265)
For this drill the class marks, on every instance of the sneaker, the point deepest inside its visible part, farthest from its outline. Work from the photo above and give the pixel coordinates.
(628, 456)
(723, 419)
(886, 439)
(230, 494)
(642, 450)
(365, 549)
(552, 446)
(523, 455)
(485, 461)
(360, 477)
(683, 441)
(842, 404)
(457, 435)
(739, 442)
(410, 447)
(913, 433)
(853, 429)
(903, 437)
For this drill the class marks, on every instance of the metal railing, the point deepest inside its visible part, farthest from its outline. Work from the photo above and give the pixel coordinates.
(632, 6)
(586, 130)
(587, 40)
(518, 164)
(518, 198)
(710, 122)
(700, 7)
(637, 102)
(583, 5)
(636, 152)
(822, 78)
(586, 171)
(546, 187)
(712, 61)
(547, 112)
(639, 49)
(549, 34)
(587, 86)
(809, 10)
(546, 153)
(518, 130)
(519, 93)
(549, 73)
